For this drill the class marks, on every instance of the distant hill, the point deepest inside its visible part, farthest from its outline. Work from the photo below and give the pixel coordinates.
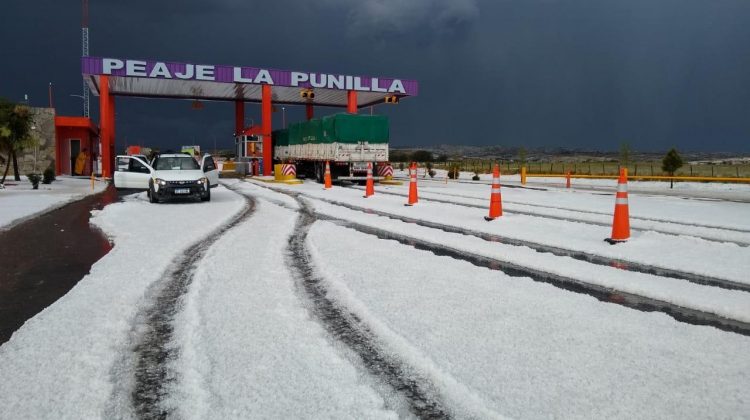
(560, 154)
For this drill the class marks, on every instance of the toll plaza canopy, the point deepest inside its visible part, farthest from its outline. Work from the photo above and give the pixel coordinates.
(110, 77)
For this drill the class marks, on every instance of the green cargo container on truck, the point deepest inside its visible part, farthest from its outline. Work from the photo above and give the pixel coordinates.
(348, 141)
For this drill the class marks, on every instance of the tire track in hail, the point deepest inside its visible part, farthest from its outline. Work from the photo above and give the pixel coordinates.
(600, 213)
(568, 219)
(602, 293)
(561, 252)
(152, 351)
(592, 189)
(459, 181)
(421, 395)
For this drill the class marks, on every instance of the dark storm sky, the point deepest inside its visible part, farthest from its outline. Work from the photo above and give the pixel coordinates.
(579, 73)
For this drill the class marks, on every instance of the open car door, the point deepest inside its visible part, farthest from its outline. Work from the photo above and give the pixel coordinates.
(132, 173)
(208, 165)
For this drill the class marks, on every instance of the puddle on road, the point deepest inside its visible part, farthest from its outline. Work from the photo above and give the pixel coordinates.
(46, 256)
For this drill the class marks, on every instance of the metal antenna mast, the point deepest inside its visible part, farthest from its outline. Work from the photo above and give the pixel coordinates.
(85, 52)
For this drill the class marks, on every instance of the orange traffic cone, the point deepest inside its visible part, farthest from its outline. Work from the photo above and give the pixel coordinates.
(621, 222)
(327, 176)
(496, 200)
(370, 187)
(413, 198)
(567, 179)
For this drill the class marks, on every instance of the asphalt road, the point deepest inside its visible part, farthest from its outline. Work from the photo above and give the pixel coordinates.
(44, 257)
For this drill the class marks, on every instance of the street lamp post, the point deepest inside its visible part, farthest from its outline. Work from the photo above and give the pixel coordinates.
(283, 116)
(36, 148)
(84, 103)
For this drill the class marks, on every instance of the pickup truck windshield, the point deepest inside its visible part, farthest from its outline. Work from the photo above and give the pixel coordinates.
(175, 163)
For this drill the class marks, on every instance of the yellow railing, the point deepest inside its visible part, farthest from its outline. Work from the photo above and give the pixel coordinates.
(525, 175)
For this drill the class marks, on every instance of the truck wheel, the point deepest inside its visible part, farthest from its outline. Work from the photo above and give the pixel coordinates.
(151, 193)
(319, 172)
(207, 197)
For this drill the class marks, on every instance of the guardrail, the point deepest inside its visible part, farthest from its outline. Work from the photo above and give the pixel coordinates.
(525, 175)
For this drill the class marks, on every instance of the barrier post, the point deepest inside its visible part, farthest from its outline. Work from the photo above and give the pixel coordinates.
(413, 196)
(370, 187)
(621, 219)
(327, 177)
(496, 204)
(523, 175)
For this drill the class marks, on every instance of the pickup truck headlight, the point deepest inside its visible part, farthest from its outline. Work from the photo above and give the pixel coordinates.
(160, 181)
(202, 181)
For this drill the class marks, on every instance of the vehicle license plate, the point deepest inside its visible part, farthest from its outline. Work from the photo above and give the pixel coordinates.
(182, 191)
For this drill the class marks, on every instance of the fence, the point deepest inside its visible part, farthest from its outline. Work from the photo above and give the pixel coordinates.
(596, 168)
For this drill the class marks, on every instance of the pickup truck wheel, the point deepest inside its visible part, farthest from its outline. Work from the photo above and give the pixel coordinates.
(207, 197)
(151, 193)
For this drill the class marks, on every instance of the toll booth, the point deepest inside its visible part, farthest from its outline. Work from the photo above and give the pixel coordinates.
(249, 150)
(74, 135)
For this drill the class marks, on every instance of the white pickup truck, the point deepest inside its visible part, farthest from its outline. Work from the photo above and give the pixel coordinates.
(167, 176)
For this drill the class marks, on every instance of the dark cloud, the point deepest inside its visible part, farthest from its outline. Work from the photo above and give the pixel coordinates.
(406, 21)
(576, 73)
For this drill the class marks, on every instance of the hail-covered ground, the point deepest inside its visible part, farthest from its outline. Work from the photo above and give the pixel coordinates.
(291, 301)
(20, 202)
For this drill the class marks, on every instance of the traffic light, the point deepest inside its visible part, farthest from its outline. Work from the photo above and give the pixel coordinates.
(307, 94)
(391, 99)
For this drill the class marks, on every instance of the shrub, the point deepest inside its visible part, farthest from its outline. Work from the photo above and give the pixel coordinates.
(34, 178)
(475, 177)
(453, 171)
(49, 176)
(431, 172)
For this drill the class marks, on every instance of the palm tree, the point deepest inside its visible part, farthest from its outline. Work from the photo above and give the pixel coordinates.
(15, 133)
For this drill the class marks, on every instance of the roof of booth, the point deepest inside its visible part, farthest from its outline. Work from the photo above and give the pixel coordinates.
(76, 122)
(155, 79)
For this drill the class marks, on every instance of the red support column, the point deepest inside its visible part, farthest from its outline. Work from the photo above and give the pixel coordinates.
(351, 101)
(112, 131)
(266, 109)
(239, 117)
(309, 111)
(104, 124)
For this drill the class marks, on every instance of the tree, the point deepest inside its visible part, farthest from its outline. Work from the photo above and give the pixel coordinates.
(422, 156)
(624, 154)
(15, 133)
(5, 134)
(454, 170)
(400, 156)
(671, 163)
